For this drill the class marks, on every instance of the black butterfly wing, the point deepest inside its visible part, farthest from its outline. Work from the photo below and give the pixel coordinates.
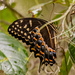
(24, 30)
(20, 29)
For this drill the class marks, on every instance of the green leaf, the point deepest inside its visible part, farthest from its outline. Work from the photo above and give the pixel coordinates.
(13, 4)
(6, 18)
(70, 1)
(67, 2)
(13, 56)
(59, 1)
(37, 9)
(66, 65)
(72, 50)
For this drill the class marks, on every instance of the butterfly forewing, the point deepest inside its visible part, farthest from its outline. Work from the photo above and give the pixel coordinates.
(21, 27)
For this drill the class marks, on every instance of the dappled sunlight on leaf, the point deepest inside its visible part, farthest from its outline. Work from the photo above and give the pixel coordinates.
(13, 56)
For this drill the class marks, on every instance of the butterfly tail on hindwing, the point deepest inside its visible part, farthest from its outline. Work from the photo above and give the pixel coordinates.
(41, 43)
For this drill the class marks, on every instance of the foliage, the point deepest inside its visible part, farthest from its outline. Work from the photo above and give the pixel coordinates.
(72, 50)
(12, 52)
(13, 56)
(66, 65)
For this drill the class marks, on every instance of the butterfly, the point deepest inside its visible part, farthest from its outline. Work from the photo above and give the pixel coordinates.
(27, 30)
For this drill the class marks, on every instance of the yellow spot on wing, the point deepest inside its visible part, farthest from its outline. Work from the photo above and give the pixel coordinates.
(16, 22)
(27, 29)
(18, 30)
(21, 31)
(17, 25)
(13, 26)
(9, 29)
(20, 26)
(25, 26)
(23, 37)
(25, 34)
(29, 32)
(15, 33)
(28, 37)
(33, 49)
(19, 35)
(38, 54)
(26, 40)
(30, 21)
(21, 21)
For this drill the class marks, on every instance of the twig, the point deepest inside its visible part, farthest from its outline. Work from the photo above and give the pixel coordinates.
(11, 8)
(5, 22)
(63, 32)
(59, 17)
(63, 23)
(30, 55)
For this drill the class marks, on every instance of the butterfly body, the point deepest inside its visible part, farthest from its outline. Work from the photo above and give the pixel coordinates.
(27, 30)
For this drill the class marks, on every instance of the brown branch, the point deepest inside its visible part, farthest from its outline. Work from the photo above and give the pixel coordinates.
(7, 5)
(2, 21)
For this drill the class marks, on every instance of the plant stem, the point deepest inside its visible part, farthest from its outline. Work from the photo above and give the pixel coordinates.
(58, 18)
(63, 33)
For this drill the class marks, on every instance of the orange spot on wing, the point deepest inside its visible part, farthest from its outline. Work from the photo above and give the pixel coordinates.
(46, 46)
(41, 39)
(42, 52)
(46, 59)
(38, 46)
(33, 32)
(53, 50)
(53, 57)
(35, 39)
(50, 49)
(50, 60)
(39, 34)
(43, 43)
(37, 28)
